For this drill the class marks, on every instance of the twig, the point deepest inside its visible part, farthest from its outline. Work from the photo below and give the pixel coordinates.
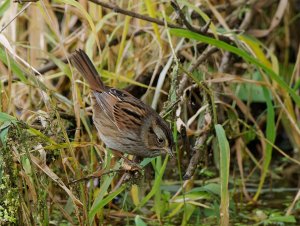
(94, 175)
(201, 142)
(21, 11)
(24, 1)
(184, 81)
(185, 21)
(199, 149)
(101, 173)
(210, 50)
(50, 66)
(205, 28)
(185, 141)
(117, 9)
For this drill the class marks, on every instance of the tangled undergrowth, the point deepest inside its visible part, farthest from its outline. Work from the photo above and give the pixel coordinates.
(224, 75)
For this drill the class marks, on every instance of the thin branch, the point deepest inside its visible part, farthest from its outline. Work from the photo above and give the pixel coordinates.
(20, 12)
(186, 22)
(199, 150)
(184, 81)
(117, 9)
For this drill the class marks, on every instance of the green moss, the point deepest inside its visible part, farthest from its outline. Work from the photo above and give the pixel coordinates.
(9, 193)
(11, 155)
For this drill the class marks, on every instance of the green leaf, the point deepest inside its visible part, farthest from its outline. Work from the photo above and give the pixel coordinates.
(211, 188)
(286, 219)
(270, 135)
(192, 196)
(246, 56)
(138, 221)
(4, 131)
(105, 183)
(252, 92)
(249, 135)
(62, 66)
(13, 66)
(6, 117)
(4, 6)
(155, 186)
(189, 210)
(146, 161)
(43, 136)
(224, 173)
(104, 201)
(1, 168)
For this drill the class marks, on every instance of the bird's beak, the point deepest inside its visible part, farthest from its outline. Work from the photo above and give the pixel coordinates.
(169, 151)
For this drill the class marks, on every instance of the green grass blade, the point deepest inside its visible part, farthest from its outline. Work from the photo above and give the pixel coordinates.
(13, 66)
(4, 6)
(4, 131)
(97, 204)
(224, 174)
(6, 117)
(122, 46)
(187, 214)
(155, 187)
(151, 8)
(104, 201)
(138, 221)
(91, 39)
(241, 53)
(85, 14)
(270, 135)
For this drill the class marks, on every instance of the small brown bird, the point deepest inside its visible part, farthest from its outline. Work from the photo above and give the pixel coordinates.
(124, 123)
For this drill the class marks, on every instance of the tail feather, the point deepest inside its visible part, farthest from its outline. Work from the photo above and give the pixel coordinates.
(84, 65)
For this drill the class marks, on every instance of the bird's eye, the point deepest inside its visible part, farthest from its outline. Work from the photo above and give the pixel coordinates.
(119, 93)
(160, 140)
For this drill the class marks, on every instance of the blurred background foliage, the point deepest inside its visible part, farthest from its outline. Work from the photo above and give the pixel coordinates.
(224, 73)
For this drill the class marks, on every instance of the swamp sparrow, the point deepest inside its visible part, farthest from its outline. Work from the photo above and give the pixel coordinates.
(124, 123)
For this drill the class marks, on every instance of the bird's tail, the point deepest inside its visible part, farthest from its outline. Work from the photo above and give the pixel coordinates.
(84, 65)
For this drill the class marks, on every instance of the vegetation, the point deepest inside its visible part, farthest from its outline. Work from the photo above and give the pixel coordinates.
(224, 74)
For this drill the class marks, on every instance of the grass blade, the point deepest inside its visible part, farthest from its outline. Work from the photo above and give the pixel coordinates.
(241, 53)
(270, 135)
(224, 174)
(104, 201)
(155, 186)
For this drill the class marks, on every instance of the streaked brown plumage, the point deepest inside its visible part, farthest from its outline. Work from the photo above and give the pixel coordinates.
(124, 123)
